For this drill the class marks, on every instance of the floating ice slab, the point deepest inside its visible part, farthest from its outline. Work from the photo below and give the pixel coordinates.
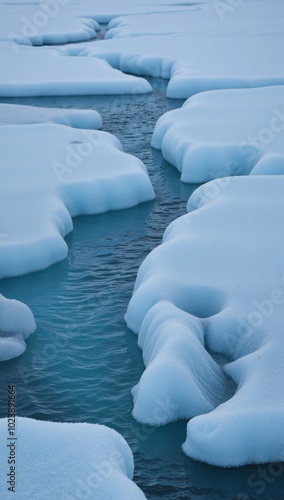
(226, 132)
(30, 71)
(218, 276)
(13, 114)
(50, 173)
(16, 324)
(67, 461)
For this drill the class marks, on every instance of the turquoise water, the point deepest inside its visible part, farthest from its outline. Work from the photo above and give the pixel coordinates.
(82, 361)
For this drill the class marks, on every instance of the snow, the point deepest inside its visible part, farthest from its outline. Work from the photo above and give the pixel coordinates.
(225, 132)
(171, 377)
(62, 21)
(11, 114)
(29, 71)
(55, 173)
(217, 283)
(17, 323)
(43, 18)
(198, 48)
(47, 465)
(48, 22)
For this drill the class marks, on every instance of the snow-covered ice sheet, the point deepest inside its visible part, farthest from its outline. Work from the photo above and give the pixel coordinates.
(66, 461)
(16, 324)
(217, 279)
(14, 114)
(63, 21)
(47, 22)
(201, 18)
(225, 132)
(196, 46)
(50, 173)
(30, 71)
(240, 49)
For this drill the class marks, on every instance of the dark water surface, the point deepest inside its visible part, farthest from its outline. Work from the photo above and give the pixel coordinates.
(82, 361)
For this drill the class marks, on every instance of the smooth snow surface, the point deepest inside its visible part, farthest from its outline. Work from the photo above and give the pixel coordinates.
(198, 47)
(51, 173)
(46, 22)
(11, 114)
(226, 132)
(68, 461)
(29, 71)
(217, 276)
(17, 323)
(51, 22)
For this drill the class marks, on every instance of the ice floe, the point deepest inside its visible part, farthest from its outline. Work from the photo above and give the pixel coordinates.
(30, 71)
(48, 22)
(14, 114)
(225, 132)
(199, 49)
(198, 46)
(62, 21)
(217, 281)
(51, 173)
(17, 323)
(66, 460)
